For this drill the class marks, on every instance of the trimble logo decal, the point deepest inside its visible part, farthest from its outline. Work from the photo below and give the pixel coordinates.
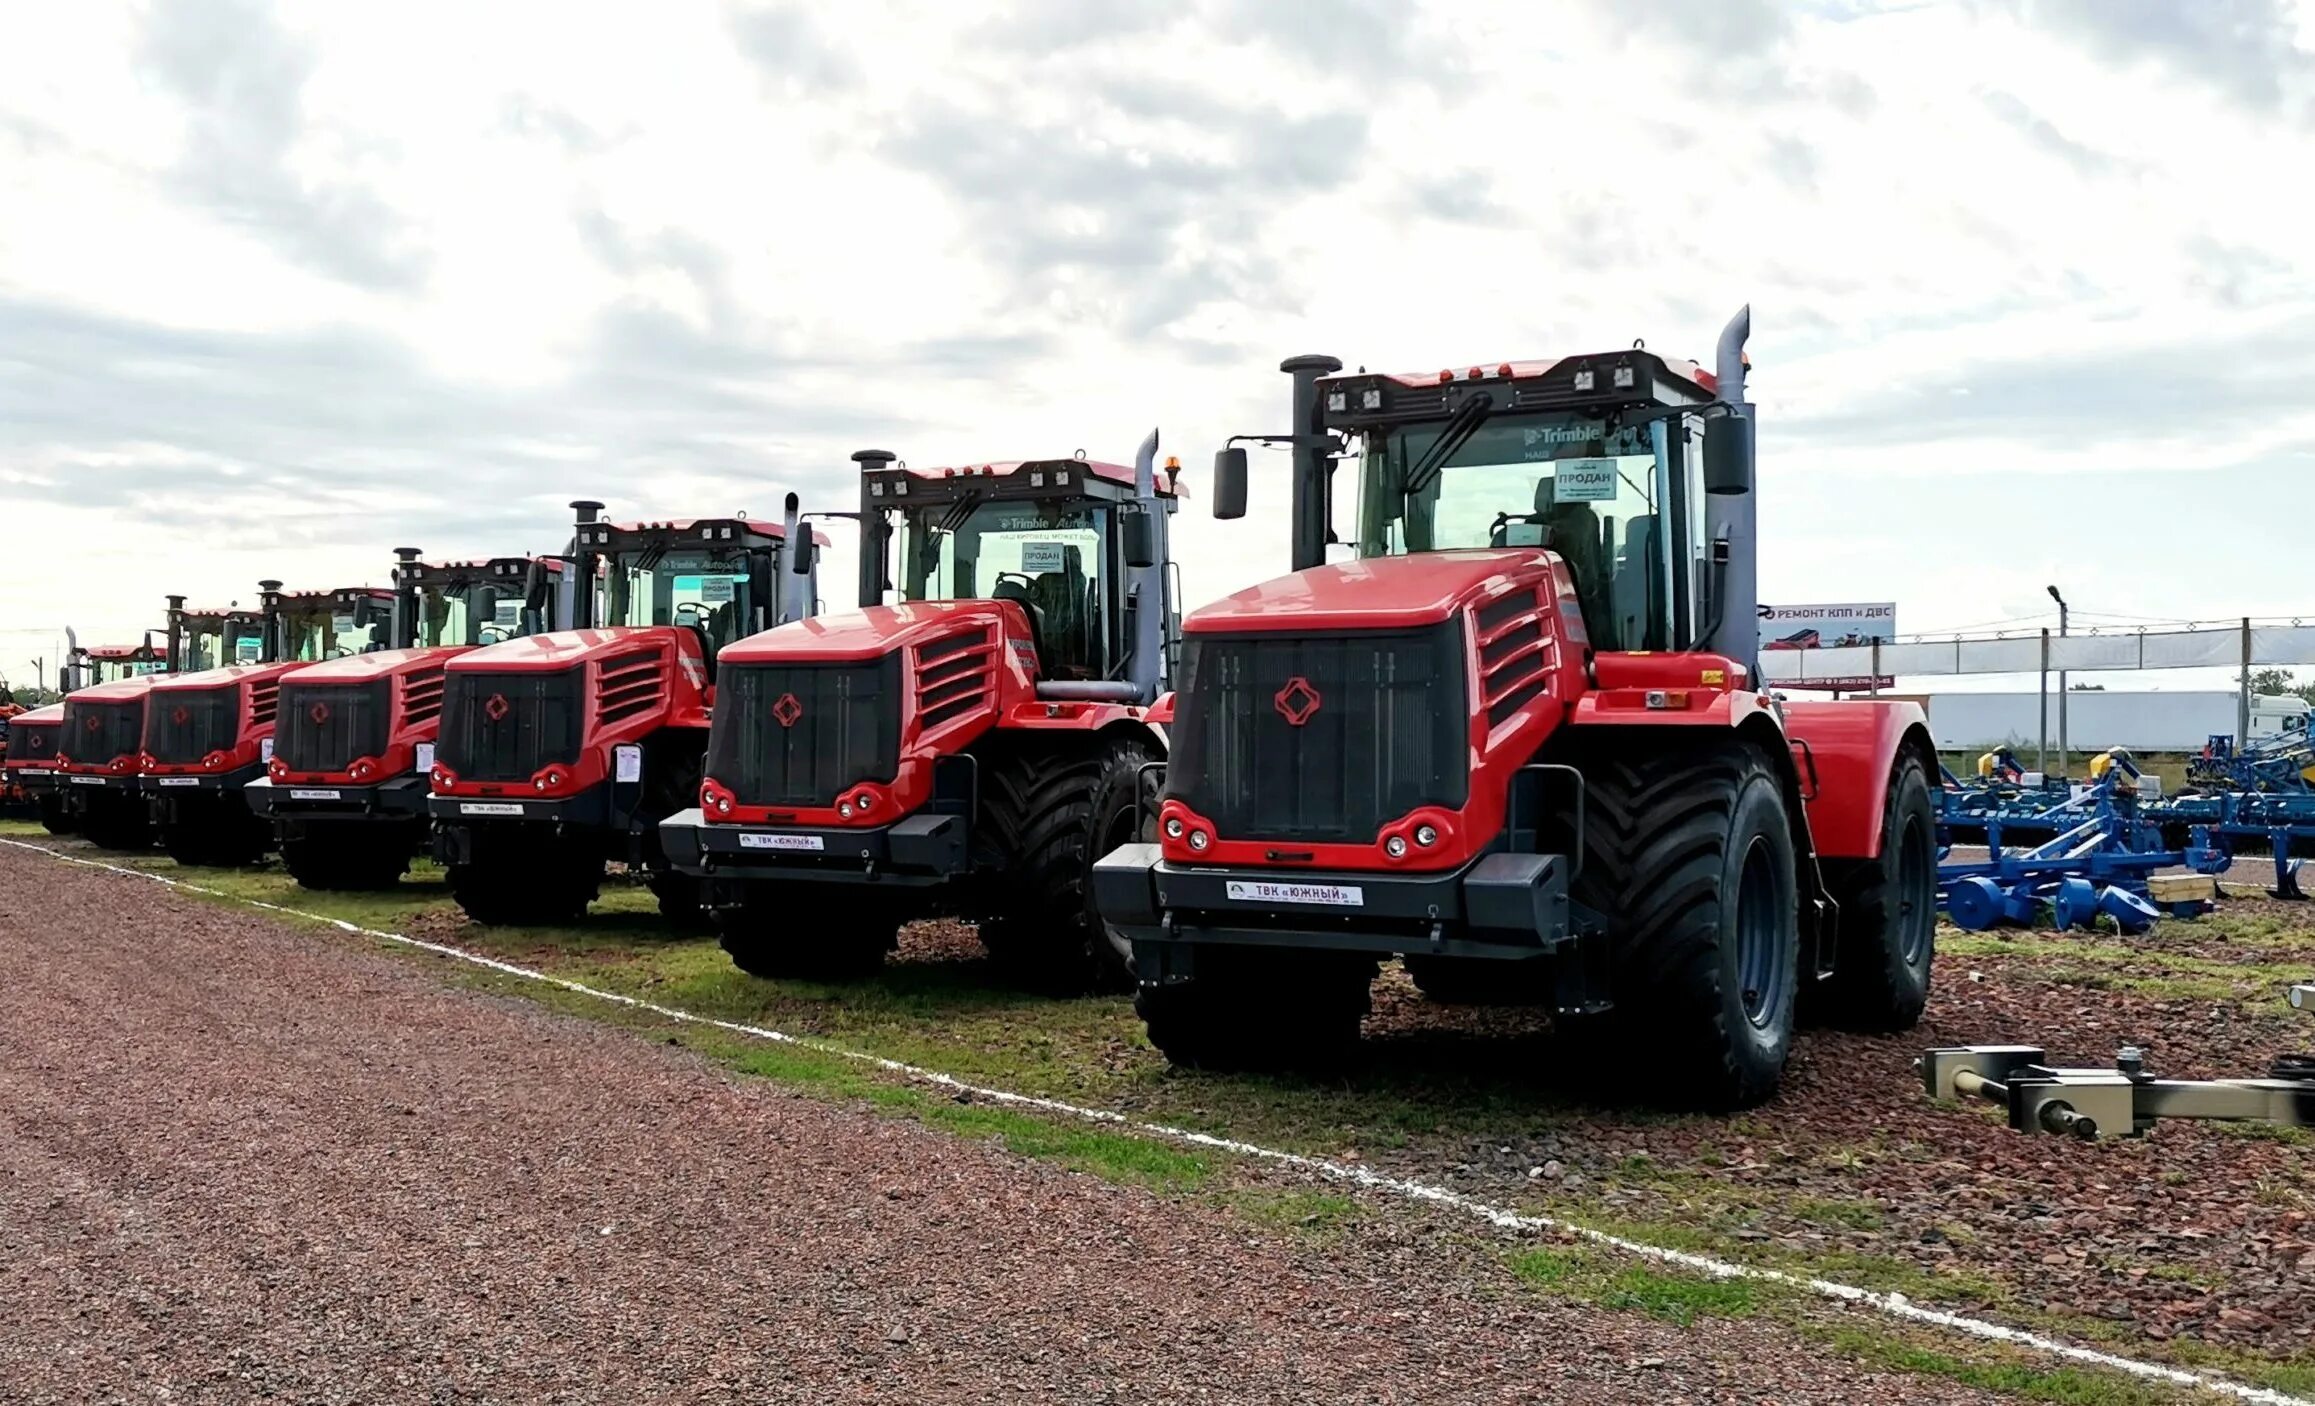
(1298, 701)
(787, 710)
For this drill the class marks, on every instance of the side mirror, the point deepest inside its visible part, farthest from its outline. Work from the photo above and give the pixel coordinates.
(1137, 533)
(803, 552)
(1728, 455)
(1230, 483)
(535, 587)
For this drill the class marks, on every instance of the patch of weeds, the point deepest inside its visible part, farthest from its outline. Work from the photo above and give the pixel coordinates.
(1681, 1298)
(1669, 1295)
(1317, 1214)
(1111, 1156)
(1845, 1215)
(2267, 1132)
(2003, 1372)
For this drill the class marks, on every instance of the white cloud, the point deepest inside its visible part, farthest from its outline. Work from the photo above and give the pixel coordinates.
(288, 287)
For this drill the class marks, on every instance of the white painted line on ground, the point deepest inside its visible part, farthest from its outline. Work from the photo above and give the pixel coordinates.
(1894, 1305)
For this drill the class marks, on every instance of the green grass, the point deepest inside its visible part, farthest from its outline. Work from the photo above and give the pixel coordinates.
(1845, 1215)
(1317, 1215)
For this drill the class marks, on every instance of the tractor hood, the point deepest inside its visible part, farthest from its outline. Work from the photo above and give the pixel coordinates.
(363, 668)
(53, 713)
(218, 678)
(871, 633)
(560, 649)
(1376, 593)
(118, 691)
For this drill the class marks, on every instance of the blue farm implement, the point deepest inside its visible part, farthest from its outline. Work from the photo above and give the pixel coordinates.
(2100, 858)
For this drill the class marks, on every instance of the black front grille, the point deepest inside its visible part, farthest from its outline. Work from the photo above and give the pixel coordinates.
(96, 733)
(797, 734)
(511, 727)
(1321, 738)
(33, 742)
(184, 725)
(329, 727)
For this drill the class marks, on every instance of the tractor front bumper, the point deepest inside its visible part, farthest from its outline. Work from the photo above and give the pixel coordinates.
(183, 798)
(1500, 907)
(920, 850)
(327, 802)
(109, 783)
(36, 780)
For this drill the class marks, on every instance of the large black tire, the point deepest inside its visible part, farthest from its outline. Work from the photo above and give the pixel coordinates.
(366, 859)
(1051, 810)
(1689, 856)
(545, 888)
(679, 901)
(1253, 1010)
(808, 932)
(54, 818)
(117, 823)
(1887, 931)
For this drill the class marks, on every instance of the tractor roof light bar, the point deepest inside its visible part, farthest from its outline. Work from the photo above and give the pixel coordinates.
(2124, 1101)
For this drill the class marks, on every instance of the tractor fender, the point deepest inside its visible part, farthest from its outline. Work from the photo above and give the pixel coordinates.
(1142, 729)
(1853, 747)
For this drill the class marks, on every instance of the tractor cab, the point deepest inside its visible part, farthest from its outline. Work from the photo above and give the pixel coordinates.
(315, 625)
(1061, 538)
(719, 578)
(202, 639)
(111, 663)
(457, 604)
(1599, 459)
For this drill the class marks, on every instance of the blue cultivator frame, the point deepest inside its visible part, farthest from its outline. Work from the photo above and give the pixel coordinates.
(2099, 856)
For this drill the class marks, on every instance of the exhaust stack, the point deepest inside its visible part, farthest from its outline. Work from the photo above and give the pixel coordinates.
(579, 588)
(403, 631)
(1732, 512)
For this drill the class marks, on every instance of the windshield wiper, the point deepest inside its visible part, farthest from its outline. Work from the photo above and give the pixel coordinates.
(1452, 436)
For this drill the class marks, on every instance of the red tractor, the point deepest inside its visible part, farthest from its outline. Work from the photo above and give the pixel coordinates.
(970, 749)
(564, 750)
(209, 733)
(92, 782)
(28, 771)
(1516, 740)
(354, 737)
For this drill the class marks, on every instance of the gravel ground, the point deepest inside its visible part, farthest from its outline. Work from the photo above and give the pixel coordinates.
(240, 1160)
(2197, 1231)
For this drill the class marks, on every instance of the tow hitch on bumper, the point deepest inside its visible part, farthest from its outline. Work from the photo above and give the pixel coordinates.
(929, 847)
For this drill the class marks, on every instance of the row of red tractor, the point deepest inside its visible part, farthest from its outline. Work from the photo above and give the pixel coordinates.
(1500, 722)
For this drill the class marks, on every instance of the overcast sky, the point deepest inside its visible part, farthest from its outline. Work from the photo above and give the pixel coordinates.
(283, 286)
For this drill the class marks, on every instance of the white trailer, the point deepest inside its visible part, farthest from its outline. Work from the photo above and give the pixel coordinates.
(2143, 721)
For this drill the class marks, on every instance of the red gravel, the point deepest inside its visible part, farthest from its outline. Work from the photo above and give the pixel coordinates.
(240, 1159)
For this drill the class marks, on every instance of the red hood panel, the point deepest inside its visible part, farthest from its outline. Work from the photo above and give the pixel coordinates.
(53, 713)
(362, 668)
(120, 691)
(559, 649)
(870, 633)
(1378, 593)
(232, 673)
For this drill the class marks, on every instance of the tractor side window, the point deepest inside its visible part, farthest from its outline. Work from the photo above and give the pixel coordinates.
(445, 617)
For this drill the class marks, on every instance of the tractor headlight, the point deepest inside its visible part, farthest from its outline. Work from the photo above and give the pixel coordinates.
(1426, 836)
(1199, 840)
(1174, 827)
(1338, 401)
(1371, 398)
(1396, 846)
(844, 808)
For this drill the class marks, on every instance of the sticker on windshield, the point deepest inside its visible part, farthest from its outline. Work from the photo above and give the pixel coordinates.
(715, 590)
(245, 651)
(1044, 556)
(1584, 480)
(507, 613)
(341, 625)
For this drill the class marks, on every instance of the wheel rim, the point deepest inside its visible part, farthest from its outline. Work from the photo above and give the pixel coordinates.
(1760, 968)
(1916, 890)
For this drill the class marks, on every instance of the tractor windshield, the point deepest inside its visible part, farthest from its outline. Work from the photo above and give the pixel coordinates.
(1620, 504)
(705, 590)
(211, 642)
(1052, 557)
(467, 613)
